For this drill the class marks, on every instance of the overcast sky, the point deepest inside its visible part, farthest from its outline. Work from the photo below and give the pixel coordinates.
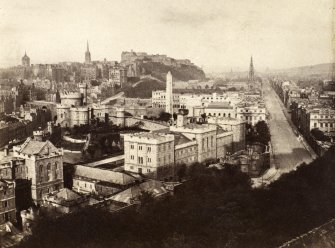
(214, 34)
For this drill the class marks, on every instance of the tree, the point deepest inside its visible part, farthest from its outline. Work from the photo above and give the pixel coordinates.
(164, 116)
(181, 171)
(146, 198)
(319, 135)
(263, 132)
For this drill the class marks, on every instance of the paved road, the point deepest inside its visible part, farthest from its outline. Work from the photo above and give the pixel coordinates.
(289, 152)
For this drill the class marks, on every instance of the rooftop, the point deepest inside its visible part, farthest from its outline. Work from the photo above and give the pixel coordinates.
(150, 135)
(220, 105)
(34, 147)
(103, 175)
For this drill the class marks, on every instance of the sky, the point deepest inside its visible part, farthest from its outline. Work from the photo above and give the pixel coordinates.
(215, 34)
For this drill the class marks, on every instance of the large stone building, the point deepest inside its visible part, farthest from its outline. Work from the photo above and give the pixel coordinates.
(43, 165)
(251, 112)
(157, 154)
(323, 119)
(236, 126)
(7, 201)
(149, 153)
(118, 75)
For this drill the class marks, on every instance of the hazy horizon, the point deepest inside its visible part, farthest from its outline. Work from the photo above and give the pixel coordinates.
(213, 34)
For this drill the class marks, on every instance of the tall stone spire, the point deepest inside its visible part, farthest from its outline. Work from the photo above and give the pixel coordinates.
(168, 94)
(251, 71)
(87, 55)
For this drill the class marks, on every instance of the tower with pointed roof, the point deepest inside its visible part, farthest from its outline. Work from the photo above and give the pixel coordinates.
(251, 78)
(25, 60)
(87, 55)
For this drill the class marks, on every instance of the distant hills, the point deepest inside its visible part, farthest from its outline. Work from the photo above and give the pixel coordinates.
(322, 70)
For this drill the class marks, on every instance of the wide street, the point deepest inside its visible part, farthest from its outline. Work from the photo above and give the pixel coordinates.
(288, 150)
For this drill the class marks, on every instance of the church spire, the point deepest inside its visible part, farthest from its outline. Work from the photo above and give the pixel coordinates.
(87, 54)
(251, 71)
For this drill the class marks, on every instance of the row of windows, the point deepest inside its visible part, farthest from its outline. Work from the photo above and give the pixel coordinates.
(219, 114)
(187, 160)
(180, 152)
(140, 159)
(160, 147)
(253, 117)
(140, 170)
(324, 116)
(140, 148)
(324, 124)
(251, 111)
(206, 141)
(85, 185)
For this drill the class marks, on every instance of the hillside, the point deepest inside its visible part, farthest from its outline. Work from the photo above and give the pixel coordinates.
(319, 69)
(180, 73)
(143, 88)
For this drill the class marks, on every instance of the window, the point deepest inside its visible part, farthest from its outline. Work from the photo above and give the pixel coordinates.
(326, 124)
(132, 157)
(49, 172)
(139, 147)
(149, 149)
(140, 160)
(5, 204)
(131, 146)
(315, 124)
(149, 160)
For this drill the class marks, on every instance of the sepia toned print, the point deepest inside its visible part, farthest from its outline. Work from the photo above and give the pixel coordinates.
(167, 124)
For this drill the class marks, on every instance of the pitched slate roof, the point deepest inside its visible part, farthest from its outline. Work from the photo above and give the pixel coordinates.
(68, 194)
(155, 187)
(33, 147)
(103, 175)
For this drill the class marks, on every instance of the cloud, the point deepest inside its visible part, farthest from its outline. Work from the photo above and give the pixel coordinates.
(188, 18)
